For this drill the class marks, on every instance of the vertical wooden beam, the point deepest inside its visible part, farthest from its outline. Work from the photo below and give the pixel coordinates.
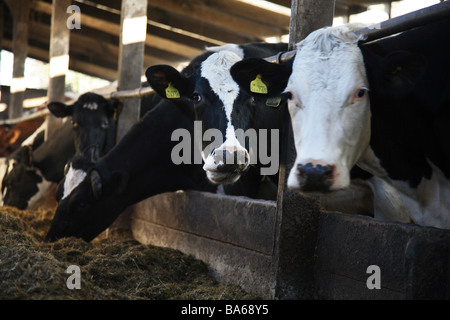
(133, 31)
(59, 59)
(2, 22)
(131, 58)
(20, 10)
(297, 215)
(307, 17)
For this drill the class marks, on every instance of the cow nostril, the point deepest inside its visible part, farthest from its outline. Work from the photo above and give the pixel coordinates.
(326, 170)
(315, 177)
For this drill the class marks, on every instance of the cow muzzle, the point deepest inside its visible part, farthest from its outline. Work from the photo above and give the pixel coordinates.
(90, 152)
(315, 177)
(225, 166)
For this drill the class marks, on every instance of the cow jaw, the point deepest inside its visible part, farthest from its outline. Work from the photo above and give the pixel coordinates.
(330, 115)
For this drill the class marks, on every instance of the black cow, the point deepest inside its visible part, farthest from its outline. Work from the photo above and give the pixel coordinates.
(241, 122)
(382, 105)
(94, 123)
(31, 174)
(139, 166)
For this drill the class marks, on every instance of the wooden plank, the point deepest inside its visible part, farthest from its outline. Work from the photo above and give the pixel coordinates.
(59, 60)
(20, 11)
(252, 12)
(2, 26)
(114, 29)
(207, 13)
(213, 16)
(89, 56)
(307, 18)
(295, 214)
(196, 29)
(131, 55)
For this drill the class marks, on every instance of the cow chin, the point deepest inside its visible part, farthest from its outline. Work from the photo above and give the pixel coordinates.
(223, 177)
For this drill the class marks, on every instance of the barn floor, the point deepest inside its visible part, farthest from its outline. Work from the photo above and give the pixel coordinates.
(113, 266)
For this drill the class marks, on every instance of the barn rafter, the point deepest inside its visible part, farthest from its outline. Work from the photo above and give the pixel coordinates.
(177, 30)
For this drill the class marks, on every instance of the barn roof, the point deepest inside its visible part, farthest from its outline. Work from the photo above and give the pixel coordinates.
(177, 30)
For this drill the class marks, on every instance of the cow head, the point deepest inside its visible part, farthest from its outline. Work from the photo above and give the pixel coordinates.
(93, 120)
(86, 197)
(219, 104)
(328, 104)
(21, 179)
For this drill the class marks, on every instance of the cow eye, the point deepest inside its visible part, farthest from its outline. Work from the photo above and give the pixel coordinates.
(359, 94)
(288, 95)
(196, 97)
(80, 206)
(105, 124)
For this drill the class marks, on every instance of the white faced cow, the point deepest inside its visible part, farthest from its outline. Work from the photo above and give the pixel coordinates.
(384, 107)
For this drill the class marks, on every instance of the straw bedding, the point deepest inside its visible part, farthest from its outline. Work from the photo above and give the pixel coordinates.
(113, 266)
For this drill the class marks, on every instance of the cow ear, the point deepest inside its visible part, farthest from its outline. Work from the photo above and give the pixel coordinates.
(402, 71)
(259, 77)
(114, 108)
(60, 110)
(119, 181)
(26, 154)
(168, 82)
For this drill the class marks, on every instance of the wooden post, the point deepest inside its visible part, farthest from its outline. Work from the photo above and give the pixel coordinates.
(307, 16)
(133, 31)
(1, 28)
(59, 59)
(131, 59)
(20, 10)
(297, 215)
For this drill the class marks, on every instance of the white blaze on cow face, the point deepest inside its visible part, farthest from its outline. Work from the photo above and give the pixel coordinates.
(329, 107)
(73, 178)
(3, 172)
(91, 106)
(216, 69)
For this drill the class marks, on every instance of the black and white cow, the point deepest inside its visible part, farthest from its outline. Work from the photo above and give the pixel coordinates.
(140, 165)
(383, 106)
(32, 174)
(220, 105)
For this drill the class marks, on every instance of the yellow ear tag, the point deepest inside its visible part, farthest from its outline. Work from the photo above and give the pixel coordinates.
(257, 86)
(273, 102)
(172, 92)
